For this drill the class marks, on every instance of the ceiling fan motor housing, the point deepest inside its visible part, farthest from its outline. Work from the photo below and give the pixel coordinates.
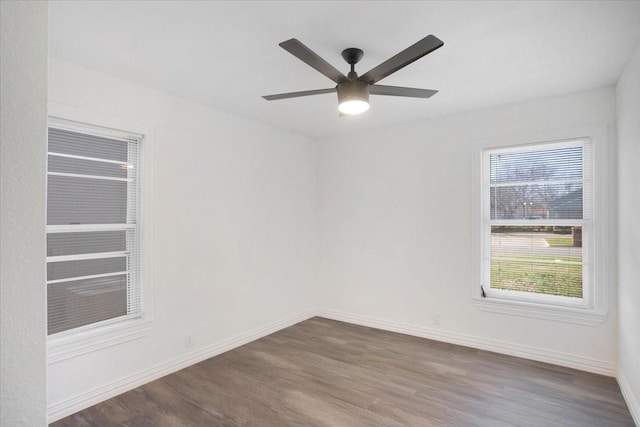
(353, 90)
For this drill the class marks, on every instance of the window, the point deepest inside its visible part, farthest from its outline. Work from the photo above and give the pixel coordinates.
(536, 205)
(93, 227)
(540, 221)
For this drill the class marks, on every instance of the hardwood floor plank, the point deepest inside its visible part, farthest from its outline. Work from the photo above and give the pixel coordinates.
(322, 372)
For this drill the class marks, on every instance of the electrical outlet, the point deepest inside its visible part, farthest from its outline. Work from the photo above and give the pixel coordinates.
(188, 341)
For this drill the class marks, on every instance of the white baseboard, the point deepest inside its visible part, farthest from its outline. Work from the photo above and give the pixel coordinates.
(632, 400)
(526, 352)
(67, 407)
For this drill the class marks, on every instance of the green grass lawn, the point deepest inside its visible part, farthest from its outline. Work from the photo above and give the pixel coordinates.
(559, 241)
(531, 275)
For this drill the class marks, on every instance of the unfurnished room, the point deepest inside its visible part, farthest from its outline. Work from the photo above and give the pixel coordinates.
(320, 213)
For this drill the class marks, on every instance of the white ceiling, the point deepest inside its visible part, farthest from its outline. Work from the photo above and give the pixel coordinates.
(226, 54)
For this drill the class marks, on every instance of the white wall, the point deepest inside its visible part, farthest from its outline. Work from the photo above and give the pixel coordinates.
(23, 101)
(234, 226)
(628, 113)
(395, 231)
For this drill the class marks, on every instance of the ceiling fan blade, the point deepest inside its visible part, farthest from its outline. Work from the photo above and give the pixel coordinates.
(298, 94)
(402, 59)
(306, 55)
(401, 91)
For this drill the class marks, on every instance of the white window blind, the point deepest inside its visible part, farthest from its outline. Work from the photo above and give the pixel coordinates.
(536, 222)
(93, 257)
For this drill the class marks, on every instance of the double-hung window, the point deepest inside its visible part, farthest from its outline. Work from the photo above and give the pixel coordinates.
(540, 219)
(536, 203)
(93, 227)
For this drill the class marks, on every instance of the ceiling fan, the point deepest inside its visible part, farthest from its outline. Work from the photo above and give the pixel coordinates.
(353, 91)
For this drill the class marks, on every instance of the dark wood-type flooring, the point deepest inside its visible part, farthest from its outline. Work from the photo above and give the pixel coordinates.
(326, 373)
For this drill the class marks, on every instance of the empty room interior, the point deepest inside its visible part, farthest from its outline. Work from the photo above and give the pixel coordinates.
(320, 213)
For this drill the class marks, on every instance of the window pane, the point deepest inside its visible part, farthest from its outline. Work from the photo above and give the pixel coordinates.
(79, 144)
(72, 200)
(85, 243)
(564, 163)
(537, 201)
(87, 167)
(82, 302)
(542, 260)
(86, 267)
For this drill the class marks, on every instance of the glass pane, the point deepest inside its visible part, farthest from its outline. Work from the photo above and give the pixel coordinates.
(537, 201)
(87, 267)
(85, 243)
(78, 144)
(87, 167)
(82, 302)
(73, 200)
(541, 260)
(564, 163)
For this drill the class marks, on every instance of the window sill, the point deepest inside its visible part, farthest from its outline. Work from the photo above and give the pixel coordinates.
(540, 311)
(82, 342)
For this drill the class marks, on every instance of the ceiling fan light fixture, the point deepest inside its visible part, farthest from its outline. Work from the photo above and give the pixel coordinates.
(353, 107)
(353, 97)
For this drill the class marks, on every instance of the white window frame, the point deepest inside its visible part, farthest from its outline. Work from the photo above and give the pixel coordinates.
(85, 339)
(593, 307)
